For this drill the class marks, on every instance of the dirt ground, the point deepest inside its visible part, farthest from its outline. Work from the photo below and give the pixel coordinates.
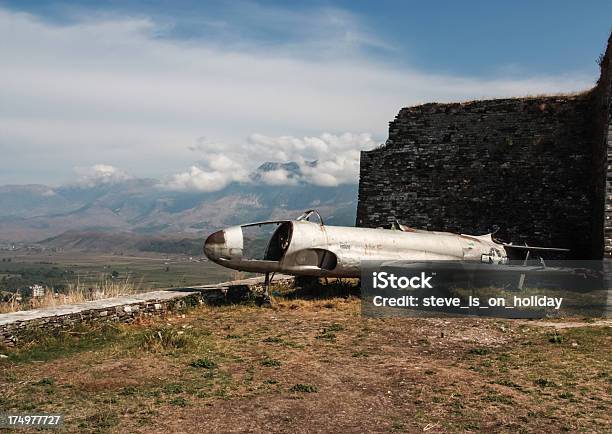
(315, 366)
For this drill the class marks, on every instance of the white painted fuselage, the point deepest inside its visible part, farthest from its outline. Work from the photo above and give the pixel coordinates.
(307, 248)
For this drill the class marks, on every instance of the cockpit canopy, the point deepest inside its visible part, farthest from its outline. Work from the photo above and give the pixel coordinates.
(255, 246)
(266, 241)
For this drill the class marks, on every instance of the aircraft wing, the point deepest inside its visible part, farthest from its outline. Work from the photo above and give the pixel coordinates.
(461, 266)
(534, 248)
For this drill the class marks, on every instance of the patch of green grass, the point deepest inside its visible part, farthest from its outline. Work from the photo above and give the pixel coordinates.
(100, 421)
(327, 336)
(304, 388)
(292, 344)
(173, 388)
(178, 401)
(457, 405)
(329, 333)
(44, 345)
(479, 351)
(502, 399)
(509, 383)
(543, 382)
(279, 340)
(47, 381)
(128, 391)
(398, 425)
(360, 354)
(588, 338)
(203, 363)
(555, 339)
(270, 362)
(504, 357)
(334, 327)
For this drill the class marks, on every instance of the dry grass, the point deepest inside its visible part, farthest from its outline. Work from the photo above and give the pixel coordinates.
(562, 95)
(314, 366)
(76, 292)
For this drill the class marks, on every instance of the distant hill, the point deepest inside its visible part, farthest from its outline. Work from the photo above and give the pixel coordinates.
(143, 209)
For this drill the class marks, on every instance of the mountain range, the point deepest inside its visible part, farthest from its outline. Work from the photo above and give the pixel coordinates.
(144, 209)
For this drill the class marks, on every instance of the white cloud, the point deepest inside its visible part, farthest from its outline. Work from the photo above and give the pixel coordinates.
(278, 177)
(111, 89)
(48, 193)
(336, 156)
(218, 172)
(198, 179)
(100, 174)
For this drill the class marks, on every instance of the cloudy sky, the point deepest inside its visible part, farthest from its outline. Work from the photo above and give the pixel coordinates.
(198, 94)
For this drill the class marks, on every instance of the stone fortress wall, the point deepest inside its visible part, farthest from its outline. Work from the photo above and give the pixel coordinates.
(537, 167)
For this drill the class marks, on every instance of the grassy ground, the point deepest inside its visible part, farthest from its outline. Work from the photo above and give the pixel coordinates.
(314, 365)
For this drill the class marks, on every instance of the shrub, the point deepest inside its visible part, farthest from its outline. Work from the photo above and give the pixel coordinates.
(360, 354)
(270, 362)
(543, 382)
(47, 381)
(173, 388)
(203, 363)
(304, 388)
(335, 327)
(327, 335)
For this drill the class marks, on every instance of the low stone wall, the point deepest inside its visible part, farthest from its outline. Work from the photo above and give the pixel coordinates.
(14, 326)
(11, 333)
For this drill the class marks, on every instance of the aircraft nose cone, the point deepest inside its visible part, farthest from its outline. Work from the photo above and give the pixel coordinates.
(224, 245)
(214, 244)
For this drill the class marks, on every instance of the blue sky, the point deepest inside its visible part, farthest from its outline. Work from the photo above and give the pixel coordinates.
(473, 37)
(208, 90)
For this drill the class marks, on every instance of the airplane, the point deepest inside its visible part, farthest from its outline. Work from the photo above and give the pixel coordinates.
(302, 247)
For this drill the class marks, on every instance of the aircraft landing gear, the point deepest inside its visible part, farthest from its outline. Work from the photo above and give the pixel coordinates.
(266, 295)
